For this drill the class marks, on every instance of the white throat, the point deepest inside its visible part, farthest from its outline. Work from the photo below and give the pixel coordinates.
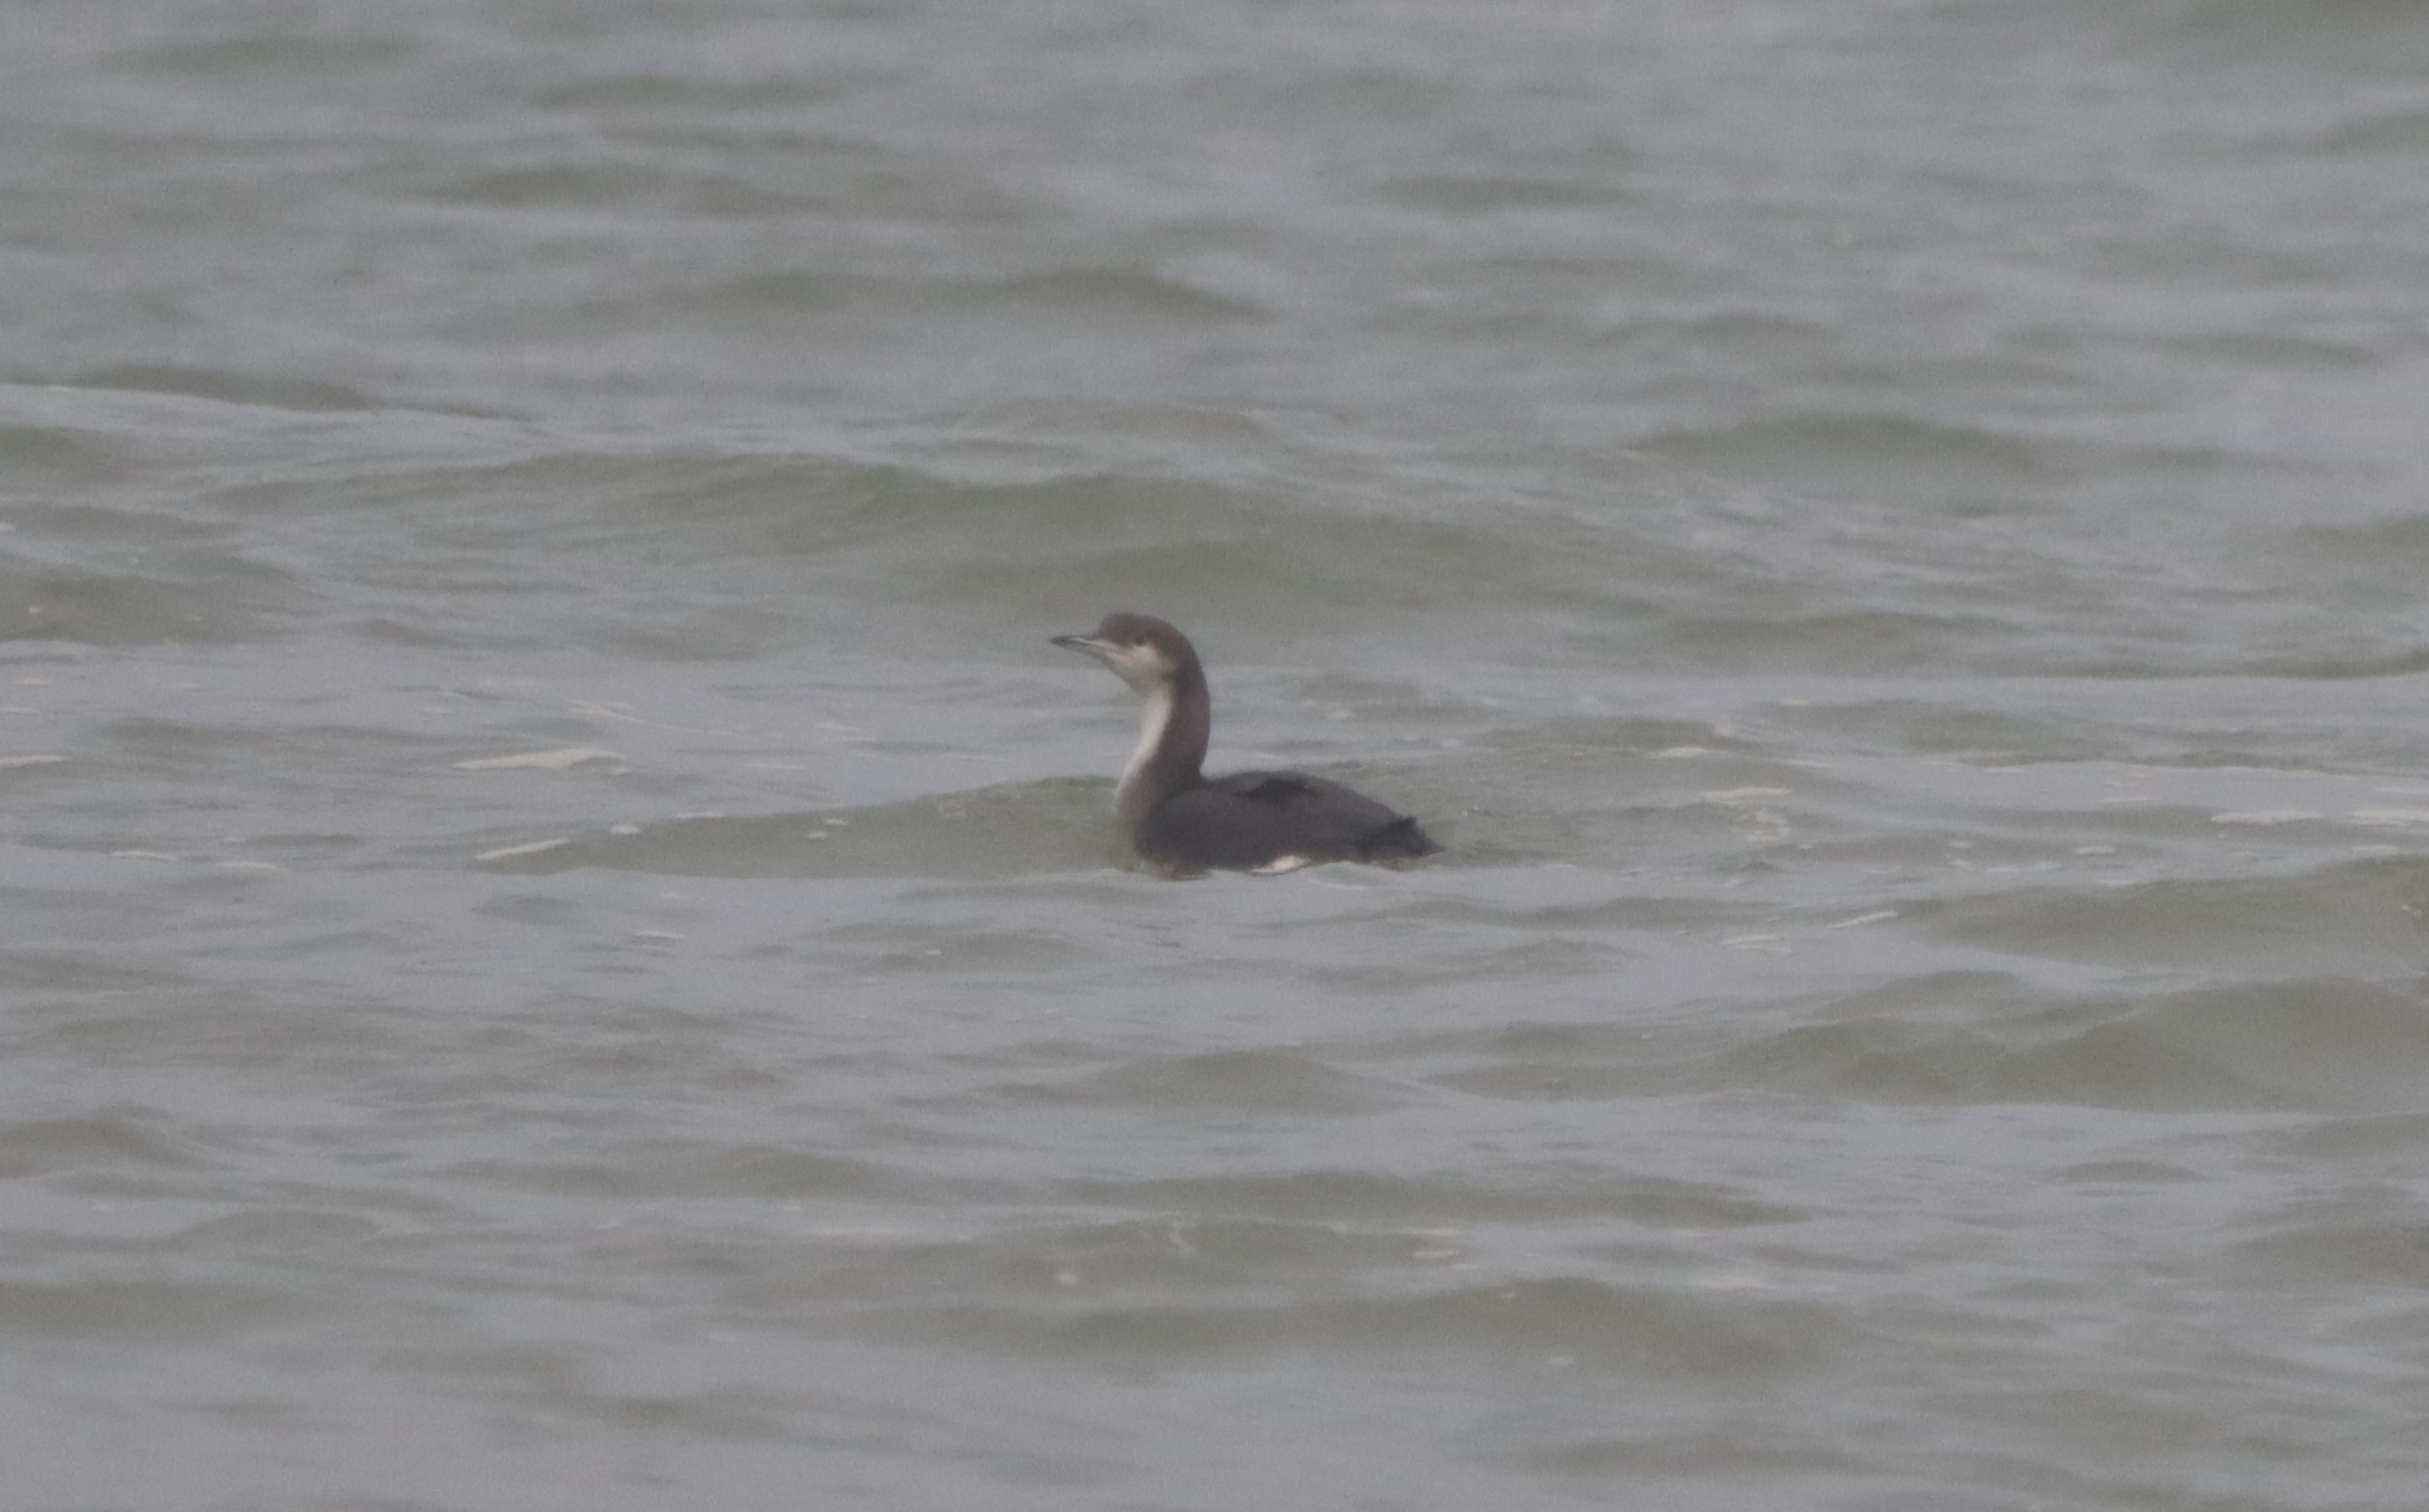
(1154, 713)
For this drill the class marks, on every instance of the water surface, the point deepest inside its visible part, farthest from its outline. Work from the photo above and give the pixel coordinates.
(563, 946)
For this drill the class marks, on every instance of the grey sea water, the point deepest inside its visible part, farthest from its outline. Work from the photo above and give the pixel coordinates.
(562, 947)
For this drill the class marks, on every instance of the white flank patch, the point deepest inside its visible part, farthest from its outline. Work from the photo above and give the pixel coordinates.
(540, 761)
(1280, 864)
(531, 848)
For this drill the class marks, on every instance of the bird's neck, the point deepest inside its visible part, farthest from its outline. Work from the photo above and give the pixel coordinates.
(1174, 720)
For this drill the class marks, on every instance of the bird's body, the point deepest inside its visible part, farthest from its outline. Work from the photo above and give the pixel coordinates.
(1182, 822)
